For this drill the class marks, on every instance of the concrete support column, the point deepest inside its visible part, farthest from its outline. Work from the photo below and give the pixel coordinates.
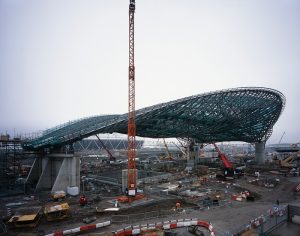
(260, 152)
(35, 171)
(75, 171)
(125, 177)
(191, 154)
(56, 172)
(68, 172)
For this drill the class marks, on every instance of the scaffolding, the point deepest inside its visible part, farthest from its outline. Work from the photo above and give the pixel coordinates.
(10, 167)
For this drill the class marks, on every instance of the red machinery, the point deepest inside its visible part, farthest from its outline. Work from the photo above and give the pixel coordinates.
(111, 157)
(131, 152)
(226, 162)
(228, 168)
(83, 200)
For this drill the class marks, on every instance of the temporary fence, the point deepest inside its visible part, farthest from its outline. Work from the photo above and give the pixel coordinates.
(263, 224)
(166, 225)
(138, 229)
(130, 218)
(293, 213)
(80, 229)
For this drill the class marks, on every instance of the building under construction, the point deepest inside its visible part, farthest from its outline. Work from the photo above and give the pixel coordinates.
(189, 186)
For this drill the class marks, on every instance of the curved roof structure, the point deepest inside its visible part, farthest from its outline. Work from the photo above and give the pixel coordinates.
(241, 114)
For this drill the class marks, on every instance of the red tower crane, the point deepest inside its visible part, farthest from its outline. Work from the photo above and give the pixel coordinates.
(131, 152)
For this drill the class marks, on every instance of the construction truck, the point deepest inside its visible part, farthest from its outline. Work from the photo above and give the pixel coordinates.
(54, 211)
(26, 217)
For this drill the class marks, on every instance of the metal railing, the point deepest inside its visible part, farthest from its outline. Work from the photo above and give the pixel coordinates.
(131, 218)
(3, 228)
(264, 224)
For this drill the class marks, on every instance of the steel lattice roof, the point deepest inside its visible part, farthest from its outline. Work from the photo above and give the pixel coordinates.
(241, 114)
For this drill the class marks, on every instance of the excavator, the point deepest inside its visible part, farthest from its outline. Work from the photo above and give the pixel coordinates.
(290, 160)
(228, 170)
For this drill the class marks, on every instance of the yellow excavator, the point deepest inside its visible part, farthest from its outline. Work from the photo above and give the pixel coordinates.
(290, 160)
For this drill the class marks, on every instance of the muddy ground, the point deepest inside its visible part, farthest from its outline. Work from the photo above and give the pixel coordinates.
(232, 214)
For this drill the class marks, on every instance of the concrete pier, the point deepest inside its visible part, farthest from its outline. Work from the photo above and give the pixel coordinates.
(191, 156)
(260, 152)
(125, 177)
(55, 172)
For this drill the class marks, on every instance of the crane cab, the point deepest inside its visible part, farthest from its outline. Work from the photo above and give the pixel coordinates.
(132, 5)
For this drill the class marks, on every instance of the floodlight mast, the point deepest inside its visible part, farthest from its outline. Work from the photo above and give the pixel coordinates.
(131, 152)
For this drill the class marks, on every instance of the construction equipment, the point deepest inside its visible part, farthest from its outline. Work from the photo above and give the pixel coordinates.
(228, 171)
(54, 211)
(131, 190)
(111, 157)
(26, 217)
(58, 195)
(169, 156)
(124, 199)
(131, 152)
(83, 200)
(290, 160)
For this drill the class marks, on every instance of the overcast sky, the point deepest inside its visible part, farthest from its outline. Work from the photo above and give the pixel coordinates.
(64, 60)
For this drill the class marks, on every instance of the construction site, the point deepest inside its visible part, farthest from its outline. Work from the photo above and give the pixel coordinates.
(175, 185)
(199, 165)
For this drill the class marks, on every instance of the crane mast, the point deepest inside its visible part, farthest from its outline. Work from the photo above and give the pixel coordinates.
(131, 152)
